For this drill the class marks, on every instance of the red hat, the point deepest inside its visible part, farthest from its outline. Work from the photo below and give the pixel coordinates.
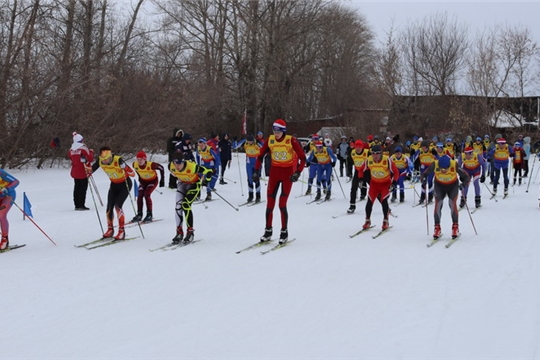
(501, 141)
(141, 155)
(370, 137)
(280, 124)
(358, 143)
(318, 143)
(468, 149)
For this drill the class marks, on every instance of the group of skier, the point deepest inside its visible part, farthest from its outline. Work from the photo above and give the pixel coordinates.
(378, 169)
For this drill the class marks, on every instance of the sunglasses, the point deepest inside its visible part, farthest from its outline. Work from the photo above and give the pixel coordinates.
(178, 161)
(105, 154)
(376, 152)
(277, 128)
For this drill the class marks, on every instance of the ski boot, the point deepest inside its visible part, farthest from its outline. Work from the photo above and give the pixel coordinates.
(267, 235)
(385, 224)
(283, 236)
(189, 235)
(477, 201)
(179, 235)
(137, 217)
(437, 233)
(121, 235)
(208, 196)
(222, 182)
(257, 197)
(318, 196)
(455, 230)
(110, 232)
(250, 197)
(367, 224)
(351, 209)
(422, 199)
(308, 192)
(4, 243)
(401, 197)
(148, 217)
(393, 199)
(462, 203)
(328, 194)
(505, 191)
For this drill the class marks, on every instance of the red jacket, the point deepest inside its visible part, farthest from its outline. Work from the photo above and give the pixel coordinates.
(78, 170)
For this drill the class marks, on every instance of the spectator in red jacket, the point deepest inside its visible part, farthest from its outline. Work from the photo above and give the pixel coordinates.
(81, 161)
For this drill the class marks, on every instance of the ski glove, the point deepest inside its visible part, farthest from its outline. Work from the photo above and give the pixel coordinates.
(255, 176)
(123, 165)
(294, 177)
(4, 191)
(482, 178)
(162, 183)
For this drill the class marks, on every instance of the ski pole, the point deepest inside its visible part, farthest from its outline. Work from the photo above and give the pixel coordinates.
(93, 183)
(97, 212)
(532, 170)
(222, 198)
(239, 172)
(131, 200)
(339, 182)
(427, 203)
(33, 222)
(470, 216)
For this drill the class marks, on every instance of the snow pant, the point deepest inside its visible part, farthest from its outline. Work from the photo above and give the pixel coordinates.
(441, 191)
(118, 193)
(79, 192)
(278, 175)
(185, 195)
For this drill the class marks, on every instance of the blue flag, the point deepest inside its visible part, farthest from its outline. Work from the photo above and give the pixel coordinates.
(27, 207)
(135, 188)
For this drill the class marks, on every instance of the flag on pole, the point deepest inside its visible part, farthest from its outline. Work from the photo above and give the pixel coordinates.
(135, 188)
(27, 207)
(244, 123)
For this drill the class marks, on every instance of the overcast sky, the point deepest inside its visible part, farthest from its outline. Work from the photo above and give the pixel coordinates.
(478, 16)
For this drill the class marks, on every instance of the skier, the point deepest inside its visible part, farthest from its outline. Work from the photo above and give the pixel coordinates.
(475, 166)
(358, 156)
(446, 174)
(225, 155)
(81, 160)
(119, 173)
(405, 167)
(312, 169)
(252, 150)
(326, 160)
(341, 152)
(518, 162)
(172, 144)
(190, 178)
(500, 155)
(426, 157)
(148, 180)
(287, 162)
(384, 177)
(209, 158)
(8, 183)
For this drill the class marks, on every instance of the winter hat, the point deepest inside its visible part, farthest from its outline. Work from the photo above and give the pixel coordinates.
(440, 144)
(468, 149)
(343, 137)
(319, 143)
(370, 137)
(501, 141)
(424, 143)
(444, 162)
(141, 155)
(517, 144)
(376, 149)
(478, 138)
(398, 149)
(279, 125)
(179, 133)
(77, 138)
(187, 136)
(359, 143)
(250, 138)
(202, 140)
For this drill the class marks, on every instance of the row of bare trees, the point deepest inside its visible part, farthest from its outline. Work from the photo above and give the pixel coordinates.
(126, 80)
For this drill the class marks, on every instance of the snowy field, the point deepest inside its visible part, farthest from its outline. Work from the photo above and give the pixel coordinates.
(325, 296)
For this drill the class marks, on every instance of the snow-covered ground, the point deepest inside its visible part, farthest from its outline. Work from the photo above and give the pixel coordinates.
(325, 296)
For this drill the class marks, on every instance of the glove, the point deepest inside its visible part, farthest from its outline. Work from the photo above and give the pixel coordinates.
(392, 186)
(83, 160)
(4, 191)
(206, 180)
(424, 182)
(460, 186)
(482, 178)
(334, 164)
(162, 183)
(255, 176)
(294, 177)
(123, 165)
(229, 164)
